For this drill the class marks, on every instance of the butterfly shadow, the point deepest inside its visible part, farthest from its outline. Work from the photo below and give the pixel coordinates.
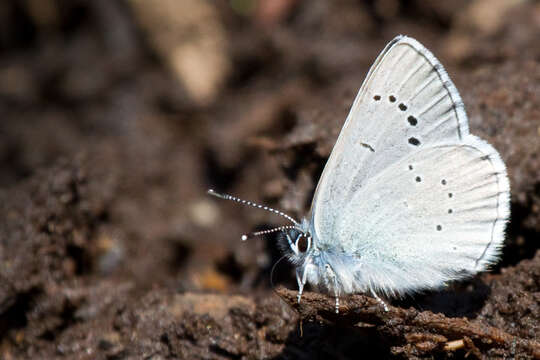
(343, 339)
(316, 340)
(460, 299)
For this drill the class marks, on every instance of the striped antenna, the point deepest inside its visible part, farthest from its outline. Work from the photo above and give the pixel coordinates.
(269, 231)
(246, 202)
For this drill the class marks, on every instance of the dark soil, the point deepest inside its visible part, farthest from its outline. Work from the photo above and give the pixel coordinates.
(110, 247)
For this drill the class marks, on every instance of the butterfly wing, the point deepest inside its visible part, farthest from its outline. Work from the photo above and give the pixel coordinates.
(406, 101)
(407, 111)
(435, 215)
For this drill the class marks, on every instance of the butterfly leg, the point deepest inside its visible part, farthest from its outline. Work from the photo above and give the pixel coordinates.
(333, 276)
(300, 280)
(301, 277)
(337, 299)
(381, 301)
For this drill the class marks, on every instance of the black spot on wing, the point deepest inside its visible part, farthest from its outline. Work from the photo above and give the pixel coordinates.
(367, 146)
(414, 141)
(412, 120)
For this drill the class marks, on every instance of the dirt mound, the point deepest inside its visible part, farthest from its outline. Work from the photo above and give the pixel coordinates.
(118, 116)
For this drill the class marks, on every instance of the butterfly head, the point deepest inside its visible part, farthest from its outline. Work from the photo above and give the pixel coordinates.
(296, 242)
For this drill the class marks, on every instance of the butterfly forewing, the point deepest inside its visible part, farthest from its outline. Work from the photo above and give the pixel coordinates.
(406, 102)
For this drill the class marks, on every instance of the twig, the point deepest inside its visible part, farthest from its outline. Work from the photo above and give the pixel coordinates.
(428, 331)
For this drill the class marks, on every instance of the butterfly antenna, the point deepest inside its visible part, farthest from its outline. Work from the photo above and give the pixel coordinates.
(250, 203)
(269, 231)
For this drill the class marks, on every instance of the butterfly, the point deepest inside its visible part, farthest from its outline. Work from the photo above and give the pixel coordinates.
(409, 199)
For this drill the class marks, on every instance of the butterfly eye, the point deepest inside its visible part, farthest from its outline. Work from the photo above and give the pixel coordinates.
(302, 244)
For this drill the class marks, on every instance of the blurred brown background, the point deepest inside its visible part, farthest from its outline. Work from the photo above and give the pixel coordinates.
(117, 116)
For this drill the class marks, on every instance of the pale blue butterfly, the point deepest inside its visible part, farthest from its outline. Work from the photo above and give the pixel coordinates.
(409, 200)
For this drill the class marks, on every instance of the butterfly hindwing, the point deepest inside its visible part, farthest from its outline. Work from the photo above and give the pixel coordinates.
(432, 216)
